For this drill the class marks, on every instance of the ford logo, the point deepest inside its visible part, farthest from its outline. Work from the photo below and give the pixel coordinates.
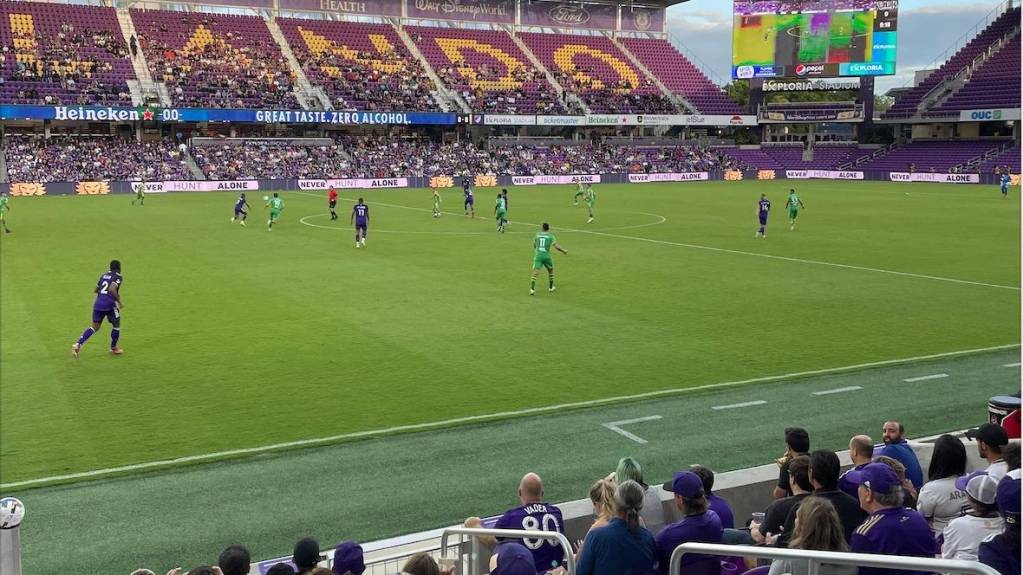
(569, 14)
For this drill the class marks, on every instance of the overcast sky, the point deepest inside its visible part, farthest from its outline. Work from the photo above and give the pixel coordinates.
(927, 29)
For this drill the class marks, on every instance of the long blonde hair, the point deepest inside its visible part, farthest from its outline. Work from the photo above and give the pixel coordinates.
(603, 493)
(818, 527)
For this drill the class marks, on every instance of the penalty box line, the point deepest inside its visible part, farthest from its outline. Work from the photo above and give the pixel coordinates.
(206, 457)
(741, 252)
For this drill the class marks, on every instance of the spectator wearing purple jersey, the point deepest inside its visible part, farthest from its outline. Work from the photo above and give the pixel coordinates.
(1002, 551)
(890, 528)
(534, 514)
(108, 305)
(699, 524)
(861, 451)
(717, 503)
(797, 442)
(896, 447)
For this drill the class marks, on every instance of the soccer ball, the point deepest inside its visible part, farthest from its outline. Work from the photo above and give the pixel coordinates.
(266, 198)
(12, 511)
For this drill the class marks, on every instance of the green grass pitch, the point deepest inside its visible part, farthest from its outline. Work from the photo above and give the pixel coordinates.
(236, 337)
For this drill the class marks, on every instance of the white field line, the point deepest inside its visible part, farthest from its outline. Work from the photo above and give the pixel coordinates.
(926, 377)
(1011, 364)
(839, 390)
(744, 253)
(95, 473)
(738, 405)
(615, 426)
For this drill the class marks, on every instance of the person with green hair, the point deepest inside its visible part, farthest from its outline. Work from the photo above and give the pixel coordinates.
(652, 512)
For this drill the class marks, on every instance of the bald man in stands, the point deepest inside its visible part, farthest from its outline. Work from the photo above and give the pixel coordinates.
(534, 514)
(861, 451)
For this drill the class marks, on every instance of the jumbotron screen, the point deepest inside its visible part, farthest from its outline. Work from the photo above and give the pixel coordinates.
(814, 38)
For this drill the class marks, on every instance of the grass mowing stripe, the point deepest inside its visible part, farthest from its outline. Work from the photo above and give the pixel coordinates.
(98, 473)
(731, 251)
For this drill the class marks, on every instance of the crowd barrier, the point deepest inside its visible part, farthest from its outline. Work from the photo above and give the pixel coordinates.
(103, 188)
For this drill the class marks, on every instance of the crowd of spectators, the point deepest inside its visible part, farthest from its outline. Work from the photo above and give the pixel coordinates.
(623, 98)
(382, 81)
(634, 534)
(268, 159)
(466, 80)
(599, 158)
(66, 61)
(67, 158)
(206, 68)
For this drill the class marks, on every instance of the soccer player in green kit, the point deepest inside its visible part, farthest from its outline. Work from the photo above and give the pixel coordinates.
(591, 200)
(578, 192)
(276, 205)
(543, 241)
(140, 193)
(793, 204)
(5, 204)
(501, 213)
(436, 203)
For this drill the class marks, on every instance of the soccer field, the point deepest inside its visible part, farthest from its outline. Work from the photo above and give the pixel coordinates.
(238, 338)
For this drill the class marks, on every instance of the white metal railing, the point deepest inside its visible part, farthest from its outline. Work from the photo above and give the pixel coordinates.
(815, 558)
(475, 534)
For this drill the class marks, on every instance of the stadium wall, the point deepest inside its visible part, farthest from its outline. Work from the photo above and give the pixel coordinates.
(103, 188)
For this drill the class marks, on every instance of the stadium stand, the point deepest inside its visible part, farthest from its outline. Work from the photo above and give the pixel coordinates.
(32, 159)
(487, 69)
(1010, 157)
(215, 60)
(592, 159)
(680, 75)
(907, 105)
(59, 55)
(598, 72)
(939, 156)
(824, 157)
(361, 66)
(994, 85)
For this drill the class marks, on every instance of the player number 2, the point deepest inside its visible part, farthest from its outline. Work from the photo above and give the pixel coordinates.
(547, 523)
(103, 290)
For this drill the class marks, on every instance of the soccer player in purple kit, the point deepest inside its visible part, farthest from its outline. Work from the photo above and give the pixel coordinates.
(763, 209)
(108, 305)
(360, 215)
(240, 209)
(470, 200)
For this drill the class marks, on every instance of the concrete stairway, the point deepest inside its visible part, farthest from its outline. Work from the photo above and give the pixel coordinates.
(570, 97)
(442, 95)
(309, 96)
(143, 88)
